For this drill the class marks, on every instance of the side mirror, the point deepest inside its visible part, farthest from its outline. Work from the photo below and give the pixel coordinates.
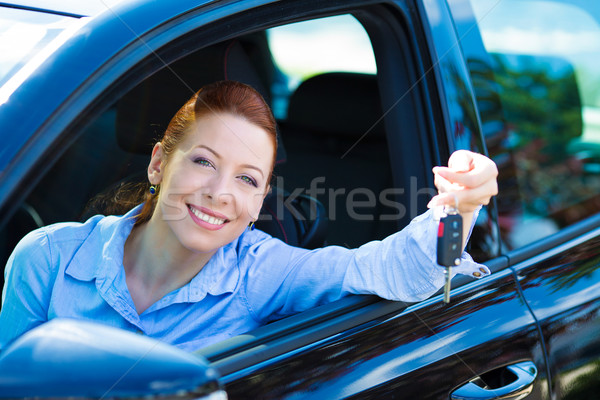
(71, 358)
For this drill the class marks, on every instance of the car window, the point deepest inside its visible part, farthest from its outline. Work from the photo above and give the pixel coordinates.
(23, 34)
(540, 106)
(347, 189)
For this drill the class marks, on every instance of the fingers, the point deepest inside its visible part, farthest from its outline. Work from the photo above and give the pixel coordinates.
(446, 185)
(468, 199)
(480, 169)
(461, 160)
(469, 176)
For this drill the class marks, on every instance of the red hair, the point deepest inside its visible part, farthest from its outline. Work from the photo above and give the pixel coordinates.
(229, 97)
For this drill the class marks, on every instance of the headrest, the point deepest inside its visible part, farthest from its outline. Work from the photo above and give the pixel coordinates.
(338, 103)
(144, 113)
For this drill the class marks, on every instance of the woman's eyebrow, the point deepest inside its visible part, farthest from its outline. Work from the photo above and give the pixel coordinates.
(253, 167)
(211, 150)
(219, 157)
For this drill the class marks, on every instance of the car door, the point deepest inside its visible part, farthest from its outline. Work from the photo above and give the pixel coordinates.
(536, 91)
(388, 350)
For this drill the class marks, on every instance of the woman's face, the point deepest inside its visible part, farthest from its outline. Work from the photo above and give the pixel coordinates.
(213, 184)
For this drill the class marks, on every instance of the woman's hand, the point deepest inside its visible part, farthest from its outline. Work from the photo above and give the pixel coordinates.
(471, 177)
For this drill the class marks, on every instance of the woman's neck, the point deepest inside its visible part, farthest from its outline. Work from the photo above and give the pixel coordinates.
(156, 264)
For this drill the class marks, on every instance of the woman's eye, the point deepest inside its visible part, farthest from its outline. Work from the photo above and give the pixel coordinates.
(249, 180)
(203, 161)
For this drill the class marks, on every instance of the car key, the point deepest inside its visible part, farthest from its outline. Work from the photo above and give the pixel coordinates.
(449, 244)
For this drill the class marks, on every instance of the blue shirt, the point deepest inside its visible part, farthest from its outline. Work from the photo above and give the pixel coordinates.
(76, 270)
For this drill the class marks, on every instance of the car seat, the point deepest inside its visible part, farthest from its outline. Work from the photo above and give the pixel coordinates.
(336, 142)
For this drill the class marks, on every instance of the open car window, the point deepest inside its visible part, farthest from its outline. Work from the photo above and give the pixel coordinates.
(324, 153)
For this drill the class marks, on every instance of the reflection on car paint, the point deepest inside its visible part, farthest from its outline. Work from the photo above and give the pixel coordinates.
(564, 294)
(385, 359)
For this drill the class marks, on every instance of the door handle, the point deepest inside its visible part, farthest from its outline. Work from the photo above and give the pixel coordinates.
(525, 373)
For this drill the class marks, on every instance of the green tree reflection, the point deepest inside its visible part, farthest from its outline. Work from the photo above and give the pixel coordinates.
(542, 110)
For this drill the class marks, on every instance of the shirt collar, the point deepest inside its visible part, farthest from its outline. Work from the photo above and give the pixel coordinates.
(100, 256)
(101, 253)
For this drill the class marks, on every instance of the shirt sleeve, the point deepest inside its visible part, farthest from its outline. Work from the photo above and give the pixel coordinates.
(285, 280)
(27, 287)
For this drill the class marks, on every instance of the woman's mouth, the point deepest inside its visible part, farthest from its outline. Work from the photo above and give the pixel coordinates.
(206, 220)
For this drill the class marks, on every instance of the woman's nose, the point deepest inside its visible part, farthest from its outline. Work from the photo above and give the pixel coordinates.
(218, 190)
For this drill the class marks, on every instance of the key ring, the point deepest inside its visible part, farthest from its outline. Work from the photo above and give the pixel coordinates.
(449, 210)
(445, 210)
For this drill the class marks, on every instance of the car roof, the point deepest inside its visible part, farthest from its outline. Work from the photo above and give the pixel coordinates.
(68, 7)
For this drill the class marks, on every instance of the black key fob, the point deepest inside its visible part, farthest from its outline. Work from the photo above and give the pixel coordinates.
(449, 240)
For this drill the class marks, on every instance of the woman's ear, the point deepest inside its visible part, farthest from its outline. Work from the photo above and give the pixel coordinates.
(155, 168)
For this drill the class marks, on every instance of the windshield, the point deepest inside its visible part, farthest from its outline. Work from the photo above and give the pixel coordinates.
(24, 33)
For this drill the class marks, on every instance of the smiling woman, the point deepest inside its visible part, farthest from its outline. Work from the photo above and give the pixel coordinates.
(186, 268)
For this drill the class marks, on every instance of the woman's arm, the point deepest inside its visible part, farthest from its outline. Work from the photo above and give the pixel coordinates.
(27, 287)
(283, 280)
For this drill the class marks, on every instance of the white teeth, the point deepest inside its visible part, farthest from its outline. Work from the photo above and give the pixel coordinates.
(207, 218)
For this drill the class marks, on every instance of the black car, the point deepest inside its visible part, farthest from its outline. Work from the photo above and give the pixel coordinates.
(369, 96)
